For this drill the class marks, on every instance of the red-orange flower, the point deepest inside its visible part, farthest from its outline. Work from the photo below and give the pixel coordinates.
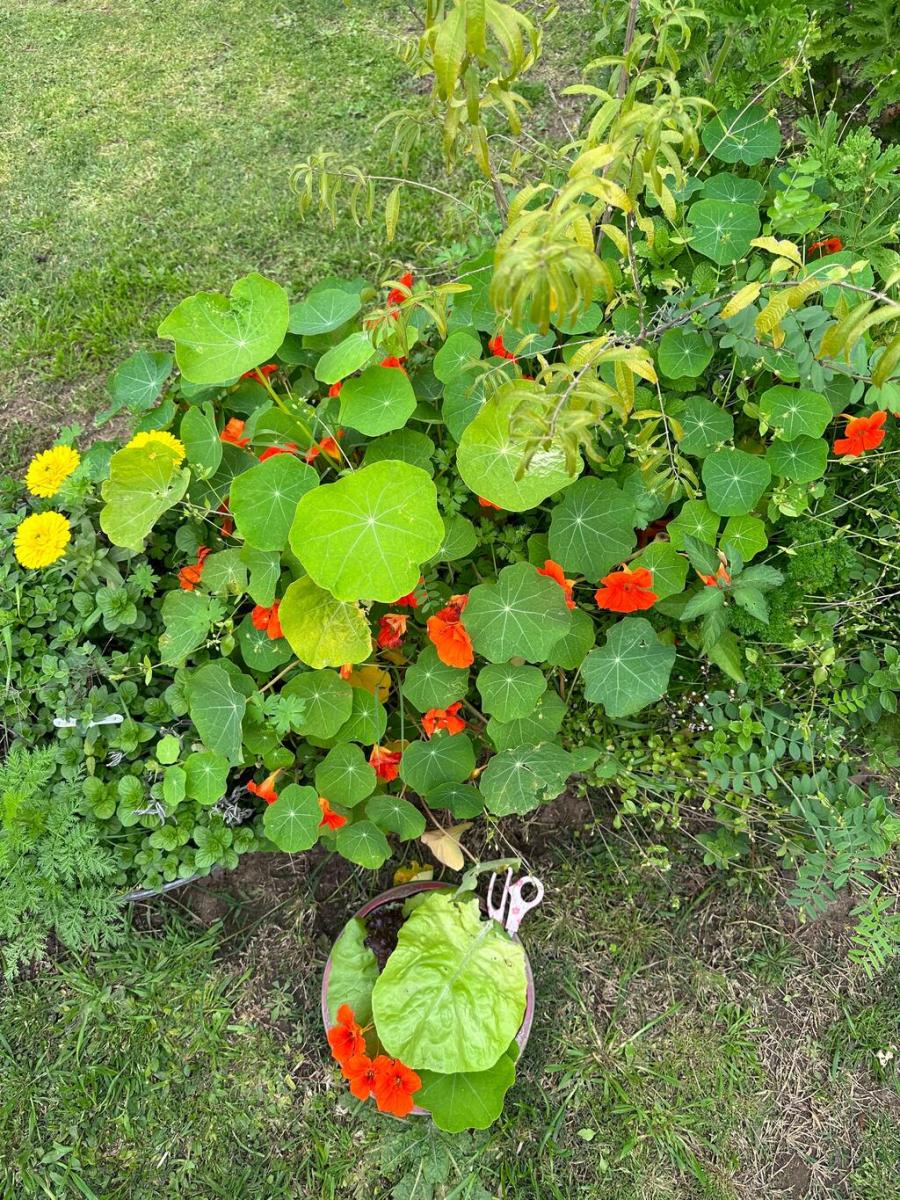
(721, 576)
(267, 619)
(346, 1037)
(626, 591)
(346, 671)
(497, 348)
(391, 630)
(287, 448)
(862, 434)
(488, 504)
(327, 446)
(443, 718)
(398, 294)
(227, 527)
(395, 1085)
(266, 789)
(410, 600)
(267, 370)
(555, 572)
(827, 246)
(189, 577)
(234, 432)
(385, 762)
(391, 361)
(335, 389)
(362, 1073)
(330, 818)
(449, 636)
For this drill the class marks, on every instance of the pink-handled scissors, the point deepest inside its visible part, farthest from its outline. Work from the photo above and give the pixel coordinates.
(511, 918)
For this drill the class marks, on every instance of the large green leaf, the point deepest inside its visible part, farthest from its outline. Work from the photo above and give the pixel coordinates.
(354, 970)
(592, 528)
(726, 186)
(344, 776)
(509, 692)
(539, 726)
(705, 425)
(630, 670)
(457, 355)
(395, 815)
(684, 352)
(201, 439)
(519, 779)
(377, 401)
(144, 482)
(721, 230)
(325, 309)
(426, 765)
(429, 683)
(452, 995)
(217, 337)
(137, 382)
(322, 631)
(217, 710)
(292, 822)
(350, 355)
(522, 615)
(328, 699)
(206, 777)
(364, 844)
(468, 1100)
(489, 458)
(365, 536)
(668, 566)
(188, 618)
(795, 412)
(735, 481)
(574, 644)
(801, 460)
(695, 519)
(264, 500)
(746, 135)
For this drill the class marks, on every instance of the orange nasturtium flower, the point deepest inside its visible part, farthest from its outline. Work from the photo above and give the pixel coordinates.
(287, 448)
(189, 577)
(555, 572)
(449, 636)
(410, 600)
(385, 762)
(335, 389)
(267, 370)
(497, 348)
(234, 432)
(721, 576)
(393, 361)
(626, 591)
(398, 294)
(488, 504)
(346, 1037)
(330, 819)
(327, 446)
(267, 619)
(266, 789)
(829, 245)
(391, 630)
(395, 1085)
(862, 434)
(443, 718)
(362, 1073)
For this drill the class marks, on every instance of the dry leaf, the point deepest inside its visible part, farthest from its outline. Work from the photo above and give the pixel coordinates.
(371, 679)
(444, 845)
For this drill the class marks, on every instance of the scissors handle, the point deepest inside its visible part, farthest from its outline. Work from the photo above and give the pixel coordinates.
(511, 918)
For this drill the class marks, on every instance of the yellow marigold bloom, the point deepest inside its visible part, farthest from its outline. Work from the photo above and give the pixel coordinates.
(41, 539)
(161, 437)
(47, 472)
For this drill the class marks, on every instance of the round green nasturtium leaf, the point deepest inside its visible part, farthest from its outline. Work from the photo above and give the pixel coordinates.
(429, 683)
(264, 499)
(326, 309)
(137, 382)
(258, 650)
(522, 615)
(393, 814)
(585, 322)
(462, 800)
(225, 573)
(217, 709)
(265, 571)
(350, 355)
(695, 519)
(801, 460)
(406, 445)
(292, 822)
(668, 566)
(188, 617)
(444, 758)
(354, 969)
(457, 355)
(144, 482)
(462, 401)
(721, 230)
(539, 726)
(735, 481)
(168, 748)
(367, 721)
(748, 534)
(448, 970)
(630, 671)
(366, 536)
(218, 338)
(364, 844)
(726, 186)
(745, 135)
(684, 353)
(574, 644)
(344, 777)
(322, 631)
(206, 777)
(459, 540)
(509, 692)
(201, 439)
(592, 528)
(519, 779)
(489, 458)
(706, 425)
(328, 699)
(173, 786)
(795, 412)
(468, 1099)
(377, 401)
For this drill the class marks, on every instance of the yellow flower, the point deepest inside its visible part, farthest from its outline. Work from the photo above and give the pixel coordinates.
(161, 436)
(41, 539)
(47, 472)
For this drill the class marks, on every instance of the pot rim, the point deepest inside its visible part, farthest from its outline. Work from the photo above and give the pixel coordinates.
(401, 892)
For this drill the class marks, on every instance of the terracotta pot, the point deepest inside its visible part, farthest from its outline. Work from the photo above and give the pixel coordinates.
(401, 893)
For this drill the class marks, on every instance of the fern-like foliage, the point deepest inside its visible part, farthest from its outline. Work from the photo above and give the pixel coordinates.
(876, 938)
